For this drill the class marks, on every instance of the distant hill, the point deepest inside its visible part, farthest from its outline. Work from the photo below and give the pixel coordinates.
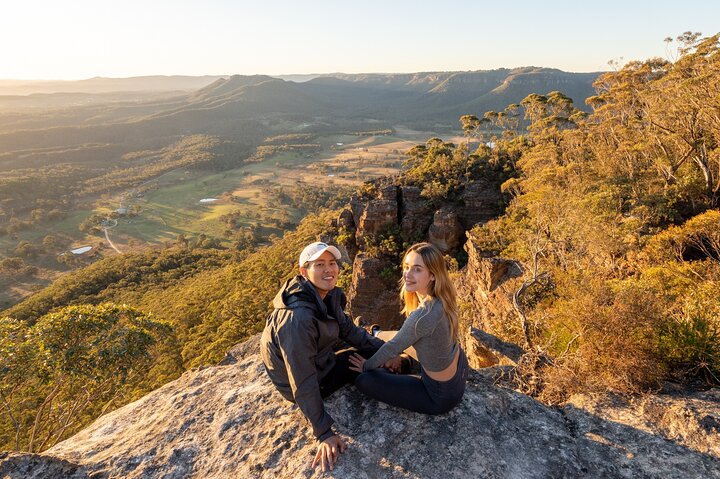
(428, 98)
(299, 78)
(242, 110)
(424, 98)
(153, 83)
(106, 85)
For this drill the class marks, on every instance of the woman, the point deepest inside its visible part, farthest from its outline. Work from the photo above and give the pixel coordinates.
(431, 328)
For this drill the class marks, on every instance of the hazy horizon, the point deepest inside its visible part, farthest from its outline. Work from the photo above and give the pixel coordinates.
(55, 41)
(312, 74)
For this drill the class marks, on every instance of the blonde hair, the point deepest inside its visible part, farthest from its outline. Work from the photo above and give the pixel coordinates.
(441, 287)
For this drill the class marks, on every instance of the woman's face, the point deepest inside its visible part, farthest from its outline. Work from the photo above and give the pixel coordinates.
(417, 277)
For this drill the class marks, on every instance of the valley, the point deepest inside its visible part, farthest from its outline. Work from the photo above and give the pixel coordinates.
(250, 201)
(143, 152)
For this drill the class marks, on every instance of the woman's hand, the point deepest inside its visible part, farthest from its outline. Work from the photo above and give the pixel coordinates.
(357, 362)
(328, 452)
(394, 365)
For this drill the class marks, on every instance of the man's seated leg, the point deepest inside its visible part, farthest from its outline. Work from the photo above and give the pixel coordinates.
(341, 374)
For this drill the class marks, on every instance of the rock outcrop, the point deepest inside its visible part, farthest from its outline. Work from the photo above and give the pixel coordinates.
(487, 286)
(415, 212)
(373, 297)
(228, 421)
(40, 466)
(346, 220)
(485, 350)
(446, 232)
(387, 209)
(373, 216)
(686, 419)
(481, 202)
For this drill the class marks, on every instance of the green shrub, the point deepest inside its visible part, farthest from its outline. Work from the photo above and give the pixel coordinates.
(690, 338)
(63, 371)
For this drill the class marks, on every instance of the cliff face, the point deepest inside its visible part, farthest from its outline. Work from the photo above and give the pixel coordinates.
(373, 298)
(228, 421)
(402, 211)
(486, 286)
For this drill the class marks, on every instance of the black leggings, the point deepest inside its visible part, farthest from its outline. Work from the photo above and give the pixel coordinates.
(420, 394)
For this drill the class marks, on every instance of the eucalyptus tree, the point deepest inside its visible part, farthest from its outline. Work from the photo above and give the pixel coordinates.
(69, 367)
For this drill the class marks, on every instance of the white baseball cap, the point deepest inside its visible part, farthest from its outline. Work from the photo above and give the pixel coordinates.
(314, 250)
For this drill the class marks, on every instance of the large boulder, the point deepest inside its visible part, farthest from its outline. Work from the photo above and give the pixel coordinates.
(485, 350)
(228, 421)
(446, 232)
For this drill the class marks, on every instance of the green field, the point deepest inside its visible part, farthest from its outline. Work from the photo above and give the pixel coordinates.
(169, 205)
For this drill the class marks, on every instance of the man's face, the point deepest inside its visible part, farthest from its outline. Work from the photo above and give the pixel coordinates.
(322, 273)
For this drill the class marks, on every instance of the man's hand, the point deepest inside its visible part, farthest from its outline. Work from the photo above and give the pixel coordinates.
(328, 453)
(356, 362)
(394, 365)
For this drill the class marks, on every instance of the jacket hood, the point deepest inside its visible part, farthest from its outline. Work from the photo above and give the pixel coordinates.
(296, 293)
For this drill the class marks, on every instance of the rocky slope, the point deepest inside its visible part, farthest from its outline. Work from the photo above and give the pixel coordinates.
(227, 421)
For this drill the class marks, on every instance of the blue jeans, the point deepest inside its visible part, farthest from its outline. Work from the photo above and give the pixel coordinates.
(420, 394)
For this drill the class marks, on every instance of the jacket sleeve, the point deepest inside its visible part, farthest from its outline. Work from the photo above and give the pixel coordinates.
(355, 335)
(298, 342)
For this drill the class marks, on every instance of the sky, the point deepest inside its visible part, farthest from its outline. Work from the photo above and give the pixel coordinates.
(77, 39)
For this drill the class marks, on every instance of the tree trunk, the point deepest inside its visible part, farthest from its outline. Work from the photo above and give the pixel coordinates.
(16, 424)
(701, 161)
(38, 416)
(521, 311)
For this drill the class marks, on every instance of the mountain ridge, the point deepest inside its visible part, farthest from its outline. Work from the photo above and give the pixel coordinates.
(420, 100)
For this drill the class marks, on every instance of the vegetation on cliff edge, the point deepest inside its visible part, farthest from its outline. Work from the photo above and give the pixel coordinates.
(619, 210)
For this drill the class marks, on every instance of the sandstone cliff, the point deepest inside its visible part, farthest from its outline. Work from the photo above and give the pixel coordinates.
(228, 422)
(391, 210)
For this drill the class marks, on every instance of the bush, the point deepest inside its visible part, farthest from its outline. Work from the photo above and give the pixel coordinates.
(601, 340)
(387, 242)
(697, 239)
(690, 337)
(60, 373)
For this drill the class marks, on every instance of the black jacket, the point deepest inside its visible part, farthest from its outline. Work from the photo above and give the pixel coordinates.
(297, 345)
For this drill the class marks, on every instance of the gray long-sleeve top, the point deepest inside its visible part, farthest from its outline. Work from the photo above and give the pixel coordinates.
(428, 330)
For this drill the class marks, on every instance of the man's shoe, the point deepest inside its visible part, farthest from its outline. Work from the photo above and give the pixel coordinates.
(373, 329)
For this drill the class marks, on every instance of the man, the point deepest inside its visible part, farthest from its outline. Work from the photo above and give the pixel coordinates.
(299, 340)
